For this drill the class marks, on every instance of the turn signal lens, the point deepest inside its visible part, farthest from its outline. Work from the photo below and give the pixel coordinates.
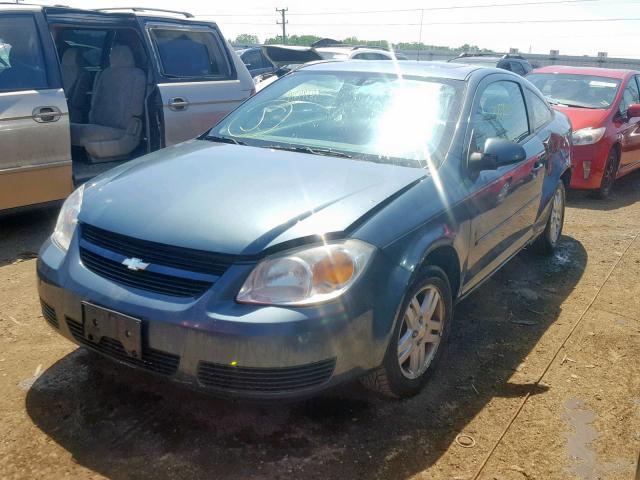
(334, 271)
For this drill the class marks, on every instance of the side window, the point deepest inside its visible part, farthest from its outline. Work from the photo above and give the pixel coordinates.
(500, 112)
(89, 43)
(540, 112)
(22, 64)
(191, 53)
(252, 59)
(629, 97)
(517, 68)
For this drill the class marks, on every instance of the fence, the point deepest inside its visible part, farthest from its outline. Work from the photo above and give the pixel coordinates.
(541, 60)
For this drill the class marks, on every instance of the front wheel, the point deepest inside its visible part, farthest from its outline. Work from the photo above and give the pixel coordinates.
(609, 176)
(418, 338)
(548, 240)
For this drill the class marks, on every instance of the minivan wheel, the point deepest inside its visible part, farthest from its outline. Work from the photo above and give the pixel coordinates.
(609, 176)
(419, 336)
(548, 240)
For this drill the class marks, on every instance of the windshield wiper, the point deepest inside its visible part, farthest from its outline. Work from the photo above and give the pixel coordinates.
(215, 138)
(314, 151)
(553, 101)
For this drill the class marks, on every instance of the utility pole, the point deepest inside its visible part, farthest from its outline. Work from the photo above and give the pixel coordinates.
(284, 22)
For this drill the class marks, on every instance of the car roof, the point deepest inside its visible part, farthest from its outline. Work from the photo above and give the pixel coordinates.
(595, 71)
(454, 71)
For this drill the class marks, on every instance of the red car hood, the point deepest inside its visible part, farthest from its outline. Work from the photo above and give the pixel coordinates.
(584, 117)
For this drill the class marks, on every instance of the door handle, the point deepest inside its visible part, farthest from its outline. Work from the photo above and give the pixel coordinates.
(178, 104)
(46, 114)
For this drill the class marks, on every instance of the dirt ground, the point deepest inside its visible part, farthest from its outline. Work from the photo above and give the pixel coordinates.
(542, 378)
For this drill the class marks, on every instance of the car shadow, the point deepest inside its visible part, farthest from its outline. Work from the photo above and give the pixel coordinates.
(124, 424)
(626, 191)
(22, 234)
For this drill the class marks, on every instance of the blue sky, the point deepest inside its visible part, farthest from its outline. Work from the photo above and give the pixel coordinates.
(258, 17)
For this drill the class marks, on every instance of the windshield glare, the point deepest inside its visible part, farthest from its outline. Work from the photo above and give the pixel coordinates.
(585, 91)
(383, 118)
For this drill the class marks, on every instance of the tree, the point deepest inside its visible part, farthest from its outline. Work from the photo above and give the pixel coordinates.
(246, 39)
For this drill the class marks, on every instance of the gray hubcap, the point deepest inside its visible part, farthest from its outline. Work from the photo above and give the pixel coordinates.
(421, 332)
(556, 216)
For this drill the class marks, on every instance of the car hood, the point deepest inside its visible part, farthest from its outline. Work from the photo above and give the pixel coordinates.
(237, 199)
(584, 117)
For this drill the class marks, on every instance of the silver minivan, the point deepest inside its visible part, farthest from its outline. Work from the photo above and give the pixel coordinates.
(82, 91)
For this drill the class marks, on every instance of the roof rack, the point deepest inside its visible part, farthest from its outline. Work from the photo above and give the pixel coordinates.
(145, 9)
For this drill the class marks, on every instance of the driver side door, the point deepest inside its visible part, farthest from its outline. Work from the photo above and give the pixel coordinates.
(505, 201)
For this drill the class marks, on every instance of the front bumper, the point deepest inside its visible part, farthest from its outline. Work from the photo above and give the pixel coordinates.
(597, 154)
(214, 343)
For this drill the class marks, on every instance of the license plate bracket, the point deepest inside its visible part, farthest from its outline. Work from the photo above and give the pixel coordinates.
(101, 322)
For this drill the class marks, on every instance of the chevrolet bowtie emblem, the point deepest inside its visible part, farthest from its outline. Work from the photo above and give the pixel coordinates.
(135, 264)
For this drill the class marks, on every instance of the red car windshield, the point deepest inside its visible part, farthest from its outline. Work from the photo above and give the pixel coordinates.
(572, 90)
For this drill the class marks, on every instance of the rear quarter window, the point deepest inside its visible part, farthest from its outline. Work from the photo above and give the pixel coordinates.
(190, 53)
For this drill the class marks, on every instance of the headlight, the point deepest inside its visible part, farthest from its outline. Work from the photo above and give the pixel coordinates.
(588, 136)
(67, 219)
(306, 276)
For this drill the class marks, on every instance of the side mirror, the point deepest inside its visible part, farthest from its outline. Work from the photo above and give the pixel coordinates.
(633, 111)
(497, 152)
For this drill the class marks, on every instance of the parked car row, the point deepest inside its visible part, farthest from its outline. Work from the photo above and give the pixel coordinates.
(319, 231)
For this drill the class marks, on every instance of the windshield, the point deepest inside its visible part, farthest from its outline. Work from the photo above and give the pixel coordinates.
(383, 118)
(585, 91)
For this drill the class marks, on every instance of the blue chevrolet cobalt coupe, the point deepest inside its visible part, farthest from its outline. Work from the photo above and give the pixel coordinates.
(321, 232)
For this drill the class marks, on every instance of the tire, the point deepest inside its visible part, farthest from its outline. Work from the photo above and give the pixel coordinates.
(399, 379)
(609, 175)
(548, 240)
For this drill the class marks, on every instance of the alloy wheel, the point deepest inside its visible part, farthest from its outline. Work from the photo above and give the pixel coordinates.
(421, 331)
(557, 210)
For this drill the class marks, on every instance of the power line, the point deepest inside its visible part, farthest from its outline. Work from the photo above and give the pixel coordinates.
(455, 7)
(401, 10)
(489, 22)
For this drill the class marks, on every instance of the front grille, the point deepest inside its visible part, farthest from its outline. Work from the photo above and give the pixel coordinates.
(158, 253)
(49, 314)
(273, 380)
(144, 280)
(153, 360)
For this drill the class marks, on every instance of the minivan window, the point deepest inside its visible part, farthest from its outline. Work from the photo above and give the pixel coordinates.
(89, 42)
(22, 64)
(382, 118)
(499, 113)
(190, 53)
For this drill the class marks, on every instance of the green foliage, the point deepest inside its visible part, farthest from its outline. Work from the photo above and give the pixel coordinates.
(246, 39)
(307, 40)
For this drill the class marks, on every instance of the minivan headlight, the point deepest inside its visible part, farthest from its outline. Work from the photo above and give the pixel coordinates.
(588, 136)
(67, 219)
(306, 276)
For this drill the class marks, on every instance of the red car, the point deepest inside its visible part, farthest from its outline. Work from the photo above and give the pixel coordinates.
(604, 108)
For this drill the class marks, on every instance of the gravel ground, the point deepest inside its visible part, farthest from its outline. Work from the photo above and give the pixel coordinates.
(541, 376)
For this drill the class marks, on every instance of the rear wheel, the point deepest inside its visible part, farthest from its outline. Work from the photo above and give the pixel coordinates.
(418, 337)
(609, 175)
(548, 240)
